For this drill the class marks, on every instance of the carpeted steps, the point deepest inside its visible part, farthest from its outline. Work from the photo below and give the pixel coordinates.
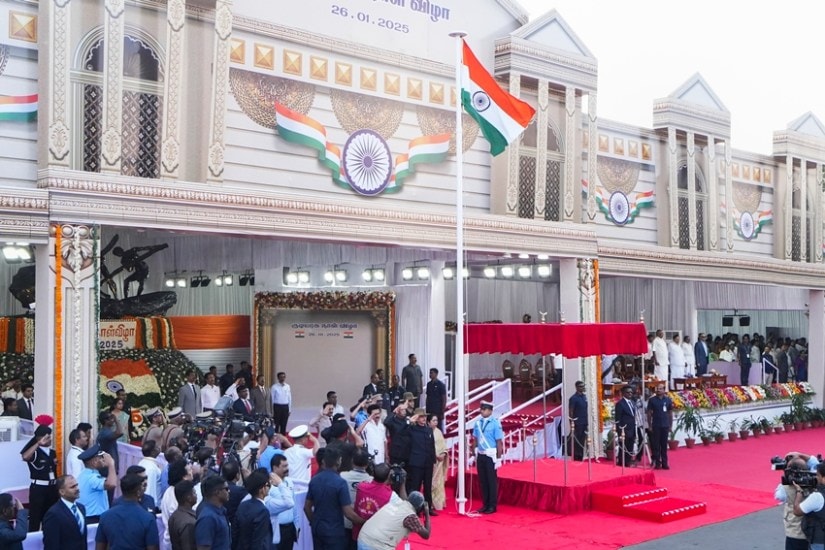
(645, 502)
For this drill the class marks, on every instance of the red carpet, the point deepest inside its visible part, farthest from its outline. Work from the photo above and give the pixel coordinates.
(734, 479)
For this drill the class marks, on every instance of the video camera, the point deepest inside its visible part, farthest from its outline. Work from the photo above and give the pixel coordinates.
(802, 477)
(397, 474)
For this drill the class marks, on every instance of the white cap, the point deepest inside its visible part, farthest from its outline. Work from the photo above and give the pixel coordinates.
(299, 431)
(177, 411)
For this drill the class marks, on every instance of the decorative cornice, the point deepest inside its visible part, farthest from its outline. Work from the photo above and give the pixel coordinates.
(797, 144)
(28, 201)
(690, 116)
(537, 61)
(703, 265)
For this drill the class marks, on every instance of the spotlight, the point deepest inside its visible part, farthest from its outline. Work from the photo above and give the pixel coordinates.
(195, 281)
(544, 271)
(507, 271)
(180, 282)
(490, 272)
(303, 277)
(524, 271)
(292, 278)
(341, 275)
(378, 274)
(329, 276)
(524, 256)
(205, 280)
(542, 257)
(252, 280)
(243, 279)
(219, 281)
(14, 253)
(170, 282)
(423, 272)
(366, 275)
(227, 280)
(407, 273)
(448, 273)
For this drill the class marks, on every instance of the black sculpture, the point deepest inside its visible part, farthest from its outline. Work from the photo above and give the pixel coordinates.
(22, 286)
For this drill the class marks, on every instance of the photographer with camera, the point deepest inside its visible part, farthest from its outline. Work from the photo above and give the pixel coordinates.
(786, 494)
(813, 510)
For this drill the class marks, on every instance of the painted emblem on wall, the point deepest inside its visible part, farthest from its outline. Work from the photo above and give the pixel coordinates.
(617, 197)
(748, 220)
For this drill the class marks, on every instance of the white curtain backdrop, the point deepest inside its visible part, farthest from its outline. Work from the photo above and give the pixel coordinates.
(504, 300)
(412, 320)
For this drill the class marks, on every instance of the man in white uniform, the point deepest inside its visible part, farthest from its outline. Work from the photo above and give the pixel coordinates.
(300, 455)
(660, 357)
(677, 359)
(690, 357)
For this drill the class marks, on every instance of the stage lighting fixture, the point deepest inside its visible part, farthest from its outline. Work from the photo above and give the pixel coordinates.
(366, 275)
(170, 282)
(195, 281)
(243, 279)
(329, 276)
(378, 274)
(524, 256)
(303, 277)
(341, 275)
(292, 278)
(407, 274)
(180, 282)
(542, 257)
(490, 272)
(544, 271)
(14, 253)
(524, 271)
(507, 271)
(218, 281)
(423, 272)
(227, 280)
(205, 280)
(448, 273)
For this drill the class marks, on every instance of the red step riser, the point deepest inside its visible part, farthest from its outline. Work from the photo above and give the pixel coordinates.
(646, 503)
(614, 503)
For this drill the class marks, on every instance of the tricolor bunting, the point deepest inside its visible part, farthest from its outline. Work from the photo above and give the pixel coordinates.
(18, 108)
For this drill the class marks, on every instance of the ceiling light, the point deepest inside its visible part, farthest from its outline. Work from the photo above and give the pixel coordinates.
(292, 278)
(181, 282)
(227, 280)
(524, 271)
(507, 271)
(378, 274)
(170, 282)
(366, 275)
(23, 253)
(490, 272)
(10, 253)
(544, 270)
(407, 273)
(303, 277)
(341, 275)
(448, 273)
(423, 272)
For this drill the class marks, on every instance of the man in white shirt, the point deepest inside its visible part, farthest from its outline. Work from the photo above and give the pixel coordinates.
(660, 356)
(690, 358)
(281, 395)
(676, 358)
(79, 441)
(729, 353)
(300, 455)
(374, 434)
(210, 393)
(149, 462)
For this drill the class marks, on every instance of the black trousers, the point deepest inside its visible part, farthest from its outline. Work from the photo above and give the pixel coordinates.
(288, 536)
(41, 498)
(416, 475)
(579, 441)
(626, 457)
(658, 448)
(744, 373)
(280, 416)
(488, 479)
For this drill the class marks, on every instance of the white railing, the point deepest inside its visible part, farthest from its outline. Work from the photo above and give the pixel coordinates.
(499, 392)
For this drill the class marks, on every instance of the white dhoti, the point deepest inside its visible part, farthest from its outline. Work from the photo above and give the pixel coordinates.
(660, 372)
(677, 370)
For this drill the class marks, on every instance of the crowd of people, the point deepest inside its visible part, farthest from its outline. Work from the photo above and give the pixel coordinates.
(380, 469)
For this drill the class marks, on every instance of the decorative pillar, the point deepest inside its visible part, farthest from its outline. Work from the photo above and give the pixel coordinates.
(266, 344)
(713, 197)
(816, 345)
(381, 343)
(113, 86)
(57, 88)
(817, 212)
(691, 188)
(170, 148)
(728, 198)
(571, 153)
(591, 373)
(787, 211)
(220, 81)
(803, 210)
(592, 131)
(569, 312)
(511, 207)
(672, 186)
(540, 196)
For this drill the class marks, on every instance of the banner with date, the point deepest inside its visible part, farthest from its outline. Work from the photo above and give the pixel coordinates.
(120, 334)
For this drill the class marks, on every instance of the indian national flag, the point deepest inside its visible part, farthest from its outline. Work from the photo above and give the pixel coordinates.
(19, 107)
(303, 130)
(501, 116)
(432, 149)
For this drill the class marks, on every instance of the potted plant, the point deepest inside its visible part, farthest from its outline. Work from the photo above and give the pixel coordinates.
(744, 429)
(766, 425)
(714, 430)
(799, 412)
(607, 444)
(755, 426)
(692, 423)
(787, 421)
(672, 443)
(732, 425)
(817, 416)
(777, 425)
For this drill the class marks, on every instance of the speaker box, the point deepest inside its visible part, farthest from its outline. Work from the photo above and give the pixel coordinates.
(745, 321)
(727, 321)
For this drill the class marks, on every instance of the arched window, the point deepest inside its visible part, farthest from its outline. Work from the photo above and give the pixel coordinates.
(684, 207)
(528, 159)
(142, 104)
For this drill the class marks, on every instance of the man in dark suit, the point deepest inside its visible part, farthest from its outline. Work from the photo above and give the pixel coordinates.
(25, 405)
(701, 351)
(231, 472)
(625, 417)
(64, 525)
(242, 405)
(436, 402)
(189, 395)
(14, 522)
(252, 529)
(261, 402)
(373, 387)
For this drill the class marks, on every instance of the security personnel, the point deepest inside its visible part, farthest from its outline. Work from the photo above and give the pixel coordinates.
(92, 485)
(577, 409)
(488, 440)
(42, 462)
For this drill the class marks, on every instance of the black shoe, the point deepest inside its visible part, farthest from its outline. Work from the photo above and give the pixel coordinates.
(489, 511)
(665, 467)
(657, 467)
(433, 512)
(481, 510)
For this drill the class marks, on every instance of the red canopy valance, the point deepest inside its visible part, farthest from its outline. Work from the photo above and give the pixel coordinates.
(569, 339)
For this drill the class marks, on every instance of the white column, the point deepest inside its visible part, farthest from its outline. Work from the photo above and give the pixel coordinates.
(691, 189)
(787, 211)
(592, 131)
(571, 155)
(728, 198)
(44, 326)
(672, 185)
(57, 84)
(803, 210)
(540, 195)
(172, 88)
(512, 200)
(713, 195)
(569, 307)
(113, 86)
(816, 344)
(817, 221)
(220, 81)
(437, 318)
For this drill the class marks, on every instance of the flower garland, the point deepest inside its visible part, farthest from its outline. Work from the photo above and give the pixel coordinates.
(58, 344)
(325, 300)
(716, 398)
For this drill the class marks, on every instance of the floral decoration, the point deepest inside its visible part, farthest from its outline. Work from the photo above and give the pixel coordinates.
(716, 398)
(17, 365)
(325, 300)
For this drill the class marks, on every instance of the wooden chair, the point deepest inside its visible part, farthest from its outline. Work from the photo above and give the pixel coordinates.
(508, 370)
(539, 375)
(525, 376)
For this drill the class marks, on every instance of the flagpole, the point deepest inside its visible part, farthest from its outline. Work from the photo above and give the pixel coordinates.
(460, 374)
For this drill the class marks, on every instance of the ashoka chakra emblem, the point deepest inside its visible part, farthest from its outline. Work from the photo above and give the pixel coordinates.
(619, 207)
(746, 225)
(367, 162)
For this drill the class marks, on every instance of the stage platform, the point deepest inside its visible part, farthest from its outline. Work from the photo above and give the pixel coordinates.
(550, 492)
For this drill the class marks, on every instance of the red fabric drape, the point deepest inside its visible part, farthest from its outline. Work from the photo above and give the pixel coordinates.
(569, 339)
(211, 331)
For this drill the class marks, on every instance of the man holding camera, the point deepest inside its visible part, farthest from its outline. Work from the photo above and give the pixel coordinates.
(813, 508)
(786, 494)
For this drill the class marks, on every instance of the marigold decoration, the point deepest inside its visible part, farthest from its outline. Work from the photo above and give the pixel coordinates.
(715, 398)
(58, 344)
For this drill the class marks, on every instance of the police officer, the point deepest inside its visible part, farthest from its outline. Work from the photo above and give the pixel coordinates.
(488, 440)
(42, 462)
(577, 410)
(660, 420)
